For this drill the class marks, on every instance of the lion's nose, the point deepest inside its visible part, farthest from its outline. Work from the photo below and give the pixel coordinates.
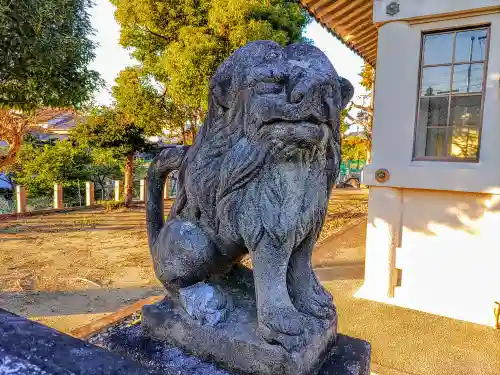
(297, 95)
(302, 88)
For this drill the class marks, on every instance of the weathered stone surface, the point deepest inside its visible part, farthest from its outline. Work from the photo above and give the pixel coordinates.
(350, 357)
(235, 344)
(29, 348)
(206, 303)
(256, 180)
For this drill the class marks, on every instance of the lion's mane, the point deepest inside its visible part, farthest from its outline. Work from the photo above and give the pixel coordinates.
(225, 127)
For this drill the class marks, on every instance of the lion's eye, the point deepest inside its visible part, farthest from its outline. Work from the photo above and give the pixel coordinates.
(268, 88)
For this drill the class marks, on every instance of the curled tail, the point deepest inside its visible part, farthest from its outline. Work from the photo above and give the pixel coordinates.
(168, 160)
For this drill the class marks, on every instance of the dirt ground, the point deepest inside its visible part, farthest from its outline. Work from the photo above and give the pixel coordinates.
(66, 270)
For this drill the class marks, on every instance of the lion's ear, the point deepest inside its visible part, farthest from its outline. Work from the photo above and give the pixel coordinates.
(346, 91)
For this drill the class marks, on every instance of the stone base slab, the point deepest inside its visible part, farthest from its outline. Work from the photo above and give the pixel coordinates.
(349, 357)
(234, 344)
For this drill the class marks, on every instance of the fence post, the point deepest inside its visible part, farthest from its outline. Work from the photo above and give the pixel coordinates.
(166, 188)
(89, 193)
(118, 190)
(58, 195)
(143, 192)
(21, 199)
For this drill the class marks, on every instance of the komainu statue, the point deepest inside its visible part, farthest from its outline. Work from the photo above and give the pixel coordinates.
(256, 180)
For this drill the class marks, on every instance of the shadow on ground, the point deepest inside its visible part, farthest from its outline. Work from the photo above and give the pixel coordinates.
(85, 301)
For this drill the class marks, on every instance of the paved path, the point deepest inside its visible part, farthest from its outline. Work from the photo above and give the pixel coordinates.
(404, 341)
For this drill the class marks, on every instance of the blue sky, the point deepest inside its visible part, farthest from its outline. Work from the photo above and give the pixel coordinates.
(111, 57)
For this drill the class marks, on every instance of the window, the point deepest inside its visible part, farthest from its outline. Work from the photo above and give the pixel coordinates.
(452, 76)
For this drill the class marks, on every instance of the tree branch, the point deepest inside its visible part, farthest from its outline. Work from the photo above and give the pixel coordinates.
(356, 121)
(363, 108)
(365, 125)
(156, 34)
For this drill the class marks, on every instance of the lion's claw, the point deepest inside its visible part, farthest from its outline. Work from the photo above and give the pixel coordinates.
(284, 326)
(316, 302)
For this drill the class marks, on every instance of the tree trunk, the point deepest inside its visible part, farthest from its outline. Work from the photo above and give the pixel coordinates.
(129, 167)
(193, 132)
(183, 132)
(12, 130)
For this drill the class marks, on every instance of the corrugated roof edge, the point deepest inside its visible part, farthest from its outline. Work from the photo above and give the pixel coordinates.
(333, 33)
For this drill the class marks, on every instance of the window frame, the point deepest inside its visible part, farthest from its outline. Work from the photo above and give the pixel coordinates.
(454, 31)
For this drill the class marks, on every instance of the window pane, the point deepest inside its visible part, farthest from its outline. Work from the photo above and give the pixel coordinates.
(438, 49)
(436, 81)
(464, 141)
(465, 118)
(433, 112)
(435, 145)
(465, 111)
(471, 45)
(468, 78)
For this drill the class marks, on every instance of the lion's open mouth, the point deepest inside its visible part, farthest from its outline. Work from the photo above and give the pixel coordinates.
(305, 133)
(310, 120)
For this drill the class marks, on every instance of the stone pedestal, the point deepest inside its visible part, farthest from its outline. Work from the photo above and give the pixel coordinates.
(29, 348)
(234, 343)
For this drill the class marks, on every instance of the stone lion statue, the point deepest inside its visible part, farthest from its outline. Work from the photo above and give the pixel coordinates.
(256, 180)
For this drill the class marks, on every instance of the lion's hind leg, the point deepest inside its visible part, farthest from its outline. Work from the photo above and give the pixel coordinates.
(184, 257)
(183, 254)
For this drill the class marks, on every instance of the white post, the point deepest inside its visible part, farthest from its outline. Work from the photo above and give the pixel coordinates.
(58, 195)
(143, 192)
(118, 190)
(166, 189)
(21, 199)
(382, 239)
(89, 193)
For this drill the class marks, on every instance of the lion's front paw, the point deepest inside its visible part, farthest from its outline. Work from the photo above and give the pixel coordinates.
(315, 301)
(284, 326)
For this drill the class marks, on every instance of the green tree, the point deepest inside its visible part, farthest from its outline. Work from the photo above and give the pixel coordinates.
(142, 98)
(180, 43)
(112, 129)
(45, 49)
(104, 167)
(353, 148)
(39, 167)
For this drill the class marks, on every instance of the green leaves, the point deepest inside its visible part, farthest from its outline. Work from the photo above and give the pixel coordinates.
(44, 53)
(180, 44)
(193, 58)
(112, 129)
(39, 167)
(136, 97)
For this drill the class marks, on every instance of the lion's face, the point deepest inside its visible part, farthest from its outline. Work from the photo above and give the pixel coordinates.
(292, 96)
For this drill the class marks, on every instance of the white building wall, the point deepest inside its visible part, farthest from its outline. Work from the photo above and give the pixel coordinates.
(396, 98)
(434, 227)
(424, 8)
